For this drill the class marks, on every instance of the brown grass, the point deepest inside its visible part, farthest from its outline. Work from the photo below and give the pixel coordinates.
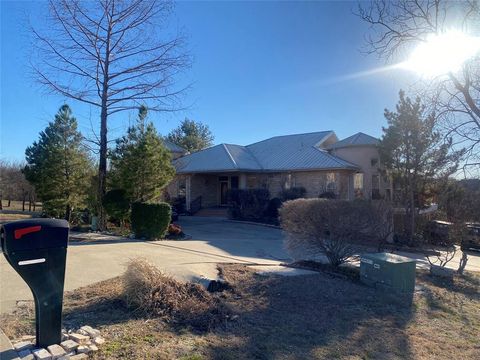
(305, 317)
(153, 293)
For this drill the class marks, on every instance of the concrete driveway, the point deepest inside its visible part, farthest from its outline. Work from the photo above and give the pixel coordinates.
(213, 241)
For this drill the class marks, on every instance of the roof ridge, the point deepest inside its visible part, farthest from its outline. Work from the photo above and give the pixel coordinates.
(279, 136)
(230, 155)
(246, 149)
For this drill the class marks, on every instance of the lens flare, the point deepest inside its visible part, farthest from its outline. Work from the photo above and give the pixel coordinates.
(444, 53)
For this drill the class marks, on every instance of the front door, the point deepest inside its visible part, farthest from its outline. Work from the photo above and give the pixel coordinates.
(223, 192)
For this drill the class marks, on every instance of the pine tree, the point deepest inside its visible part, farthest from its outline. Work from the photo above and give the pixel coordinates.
(58, 166)
(415, 154)
(191, 135)
(140, 163)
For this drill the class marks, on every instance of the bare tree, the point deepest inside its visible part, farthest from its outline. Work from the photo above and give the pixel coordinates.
(13, 185)
(397, 26)
(114, 55)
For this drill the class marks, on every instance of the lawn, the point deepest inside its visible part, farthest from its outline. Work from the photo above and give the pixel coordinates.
(306, 317)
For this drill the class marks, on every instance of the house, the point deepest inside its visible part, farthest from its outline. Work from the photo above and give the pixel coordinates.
(317, 161)
(176, 150)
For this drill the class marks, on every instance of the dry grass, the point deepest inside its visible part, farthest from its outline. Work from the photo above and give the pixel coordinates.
(304, 317)
(17, 205)
(153, 293)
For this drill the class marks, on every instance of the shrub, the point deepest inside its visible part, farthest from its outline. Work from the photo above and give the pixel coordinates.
(333, 228)
(272, 208)
(150, 220)
(179, 204)
(248, 204)
(153, 293)
(117, 204)
(293, 193)
(327, 195)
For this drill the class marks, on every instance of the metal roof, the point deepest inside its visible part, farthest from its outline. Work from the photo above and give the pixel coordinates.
(280, 153)
(358, 139)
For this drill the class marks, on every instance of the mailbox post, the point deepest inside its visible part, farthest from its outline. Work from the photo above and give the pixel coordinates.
(37, 250)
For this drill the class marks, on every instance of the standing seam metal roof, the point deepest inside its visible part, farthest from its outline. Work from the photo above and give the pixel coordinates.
(281, 153)
(357, 139)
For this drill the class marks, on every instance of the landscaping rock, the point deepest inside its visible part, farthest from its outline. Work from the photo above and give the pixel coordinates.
(82, 332)
(23, 345)
(79, 338)
(69, 345)
(42, 354)
(57, 351)
(90, 331)
(65, 336)
(79, 357)
(93, 348)
(99, 340)
(82, 349)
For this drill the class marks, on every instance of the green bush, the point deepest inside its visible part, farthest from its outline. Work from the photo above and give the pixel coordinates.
(150, 220)
(248, 204)
(117, 204)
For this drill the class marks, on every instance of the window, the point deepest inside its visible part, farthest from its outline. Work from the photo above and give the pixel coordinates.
(375, 182)
(251, 182)
(358, 181)
(331, 182)
(182, 187)
(234, 182)
(374, 162)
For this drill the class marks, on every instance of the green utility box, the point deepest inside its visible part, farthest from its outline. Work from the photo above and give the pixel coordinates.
(388, 271)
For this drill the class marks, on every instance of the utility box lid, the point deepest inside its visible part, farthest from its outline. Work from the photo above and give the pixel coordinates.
(387, 257)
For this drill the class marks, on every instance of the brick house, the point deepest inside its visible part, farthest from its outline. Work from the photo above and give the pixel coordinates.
(317, 161)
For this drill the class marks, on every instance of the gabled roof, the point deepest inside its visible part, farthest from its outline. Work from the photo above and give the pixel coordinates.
(280, 153)
(174, 147)
(358, 139)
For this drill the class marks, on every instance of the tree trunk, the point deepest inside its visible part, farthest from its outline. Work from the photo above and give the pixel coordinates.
(1, 205)
(411, 220)
(463, 263)
(102, 165)
(9, 201)
(102, 170)
(68, 213)
(29, 202)
(23, 201)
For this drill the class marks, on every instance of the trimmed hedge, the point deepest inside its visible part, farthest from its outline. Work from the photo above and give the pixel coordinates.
(150, 220)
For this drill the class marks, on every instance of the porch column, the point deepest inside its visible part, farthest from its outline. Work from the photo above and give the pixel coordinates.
(242, 183)
(188, 191)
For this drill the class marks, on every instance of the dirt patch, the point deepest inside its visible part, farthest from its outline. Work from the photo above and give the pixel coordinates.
(313, 316)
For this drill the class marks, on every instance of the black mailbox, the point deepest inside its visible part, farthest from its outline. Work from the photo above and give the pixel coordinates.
(37, 250)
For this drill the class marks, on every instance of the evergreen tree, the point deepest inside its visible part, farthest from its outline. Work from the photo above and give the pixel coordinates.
(415, 155)
(140, 163)
(58, 166)
(191, 135)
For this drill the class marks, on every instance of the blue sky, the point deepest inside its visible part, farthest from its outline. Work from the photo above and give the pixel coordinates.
(260, 69)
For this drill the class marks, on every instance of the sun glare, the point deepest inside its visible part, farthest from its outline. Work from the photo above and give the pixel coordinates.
(443, 53)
